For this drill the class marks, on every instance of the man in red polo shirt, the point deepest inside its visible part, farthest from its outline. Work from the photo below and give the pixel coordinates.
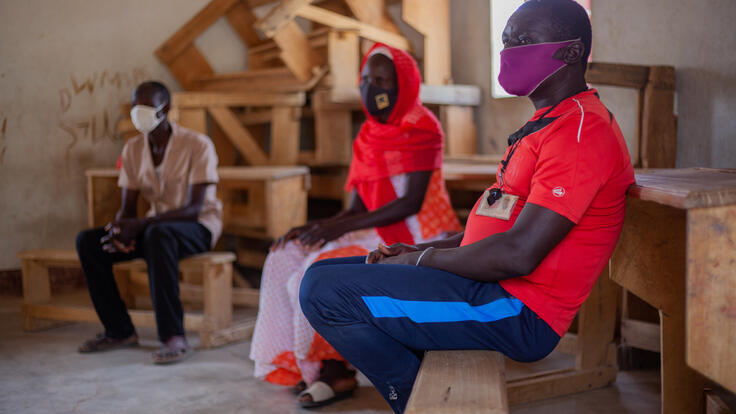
(534, 244)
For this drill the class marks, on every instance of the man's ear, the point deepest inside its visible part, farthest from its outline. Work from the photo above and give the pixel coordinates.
(573, 53)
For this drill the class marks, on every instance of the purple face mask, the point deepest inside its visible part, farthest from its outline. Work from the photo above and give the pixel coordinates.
(524, 68)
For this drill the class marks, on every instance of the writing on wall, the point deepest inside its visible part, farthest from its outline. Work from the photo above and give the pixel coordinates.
(90, 104)
(3, 128)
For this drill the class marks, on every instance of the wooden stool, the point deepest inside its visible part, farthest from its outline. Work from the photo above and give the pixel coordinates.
(460, 382)
(214, 269)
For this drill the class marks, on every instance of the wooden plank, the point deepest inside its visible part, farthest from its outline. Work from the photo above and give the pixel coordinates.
(463, 95)
(87, 314)
(269, 50)
(242, 20)
(373, 12)
(343, 58)
(218, 286)
(616, 74)
(286, 204)
(649, 258)
(563, 383)
(212, 99)
(328, 185)
(686, 187)
(285, 135)
(243, 140)
(279, 16)
(711, 293)
(188, 66)
(431, 18)
(460, 131)
(340, 22)
(228, 175)
(333, 132)
(58, 257)
(714, 404)
(239, 331)
(36, 282)
(227, 154)
(459, 382)
(251, 258)
(640, 335)
(296, 52)
(597, 324)
(682, 387)
(659, 127)
(185, 36)
(270, 80)
(194, 118)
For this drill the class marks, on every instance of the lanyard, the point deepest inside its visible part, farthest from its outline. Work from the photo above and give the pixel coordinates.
(514, 141)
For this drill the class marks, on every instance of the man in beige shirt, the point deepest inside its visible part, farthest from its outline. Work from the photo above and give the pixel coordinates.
(175, 170)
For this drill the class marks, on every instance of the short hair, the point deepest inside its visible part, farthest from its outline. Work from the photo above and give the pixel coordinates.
(157, 88)
(570, 19)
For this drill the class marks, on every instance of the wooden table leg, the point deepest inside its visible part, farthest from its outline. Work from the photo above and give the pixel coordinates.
(36, 291)
(682, 387)
(218, 305)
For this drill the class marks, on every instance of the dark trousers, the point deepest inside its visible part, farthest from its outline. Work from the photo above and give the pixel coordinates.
(382, 317)
(161, 245)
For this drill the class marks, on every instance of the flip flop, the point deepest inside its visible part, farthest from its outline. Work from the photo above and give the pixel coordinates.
(299, 387)
(322, 394)
(166, 355)
(102, 343)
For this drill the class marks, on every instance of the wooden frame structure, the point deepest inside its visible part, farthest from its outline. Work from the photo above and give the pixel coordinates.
(212, 271)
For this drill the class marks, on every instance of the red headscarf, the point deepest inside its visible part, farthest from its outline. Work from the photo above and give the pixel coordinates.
(411, 140)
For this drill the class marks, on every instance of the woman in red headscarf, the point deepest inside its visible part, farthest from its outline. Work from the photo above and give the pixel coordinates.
(398, 196)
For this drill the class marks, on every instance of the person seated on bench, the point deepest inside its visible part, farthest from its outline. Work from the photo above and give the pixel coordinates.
(175, 170)
(534, 244)
(398, 195)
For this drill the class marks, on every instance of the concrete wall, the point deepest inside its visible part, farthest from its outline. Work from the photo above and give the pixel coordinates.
(695, 36)
(65, 69)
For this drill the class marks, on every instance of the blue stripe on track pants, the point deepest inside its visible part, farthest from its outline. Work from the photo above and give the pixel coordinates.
(382, 317)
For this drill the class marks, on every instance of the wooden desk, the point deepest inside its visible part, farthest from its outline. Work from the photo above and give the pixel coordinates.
(677, 251)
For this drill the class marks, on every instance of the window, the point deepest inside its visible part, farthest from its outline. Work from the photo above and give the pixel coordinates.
(501, 10)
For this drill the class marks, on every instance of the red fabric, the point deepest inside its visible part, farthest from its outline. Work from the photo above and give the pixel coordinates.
(411, 140)
(583, 180)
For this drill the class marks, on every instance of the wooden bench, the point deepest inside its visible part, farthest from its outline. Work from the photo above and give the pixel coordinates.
(207, 279)
(460, 382)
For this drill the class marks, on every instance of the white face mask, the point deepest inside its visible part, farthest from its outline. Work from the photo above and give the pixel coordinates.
(144, 117)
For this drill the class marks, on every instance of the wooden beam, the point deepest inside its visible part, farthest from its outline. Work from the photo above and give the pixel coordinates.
(460, 132)
(185, 36)
(189, 65)
(597, 324)
(279, 16)
(462, 95)
(640, 335)
(374, 13)
(343, 58)
(556, 384)
(340, 22)
(243, 140)
(221, 99)
(616, 74)
(296, 52)
(431, 18)
(659, 124)
(285, 135)
(242, 19)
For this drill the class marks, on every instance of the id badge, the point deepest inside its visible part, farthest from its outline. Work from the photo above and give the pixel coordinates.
(501, 209)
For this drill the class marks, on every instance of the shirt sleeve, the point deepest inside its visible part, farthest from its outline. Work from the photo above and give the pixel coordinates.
(204, 163)
(574, 163)
(128, 178)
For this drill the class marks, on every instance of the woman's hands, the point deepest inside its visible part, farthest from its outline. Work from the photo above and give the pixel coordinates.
(384, 253)
(311, 235)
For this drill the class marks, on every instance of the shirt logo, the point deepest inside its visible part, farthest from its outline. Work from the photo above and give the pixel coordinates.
(558, 192)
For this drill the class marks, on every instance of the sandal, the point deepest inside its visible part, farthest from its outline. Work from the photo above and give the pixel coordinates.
(101, 343)
(175, 349)
(299, 387)
(322, 394)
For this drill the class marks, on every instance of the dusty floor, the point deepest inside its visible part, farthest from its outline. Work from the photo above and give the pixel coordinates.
(41, 372)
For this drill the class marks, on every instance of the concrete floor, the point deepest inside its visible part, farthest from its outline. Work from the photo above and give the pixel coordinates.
(41, 372)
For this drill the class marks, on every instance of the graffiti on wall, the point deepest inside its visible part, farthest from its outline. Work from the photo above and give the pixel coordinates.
(90, 105)
(3, 128)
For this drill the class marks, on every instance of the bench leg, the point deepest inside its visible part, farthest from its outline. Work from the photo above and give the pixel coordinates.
(36, 291)
(218, 308)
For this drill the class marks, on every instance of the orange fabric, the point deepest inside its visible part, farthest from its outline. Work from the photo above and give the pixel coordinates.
(287, 373)
(437, 215)
(346, 251)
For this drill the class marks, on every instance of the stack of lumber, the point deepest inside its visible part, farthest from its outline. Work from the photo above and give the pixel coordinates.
(297, 102)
